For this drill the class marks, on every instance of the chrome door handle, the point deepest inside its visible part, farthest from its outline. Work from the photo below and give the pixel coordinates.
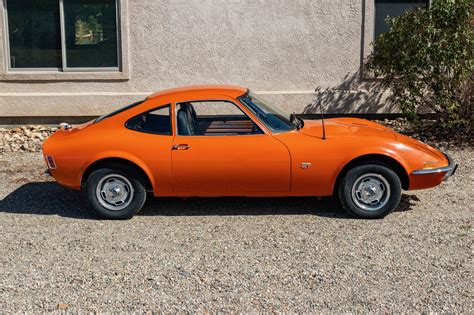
(181, 147)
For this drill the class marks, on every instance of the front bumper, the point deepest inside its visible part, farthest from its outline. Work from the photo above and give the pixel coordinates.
(450, 170)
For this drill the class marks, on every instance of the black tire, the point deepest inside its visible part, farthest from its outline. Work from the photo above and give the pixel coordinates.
(122, 174)
(365, 176)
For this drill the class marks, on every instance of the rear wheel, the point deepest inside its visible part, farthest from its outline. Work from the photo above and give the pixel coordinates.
(370, 191)
(115, 193)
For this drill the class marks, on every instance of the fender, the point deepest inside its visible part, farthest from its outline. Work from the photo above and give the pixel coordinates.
(117, 154)
(392, 150)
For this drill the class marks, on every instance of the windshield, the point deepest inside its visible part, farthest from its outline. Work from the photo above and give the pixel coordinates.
(118, 111)
(275, 119)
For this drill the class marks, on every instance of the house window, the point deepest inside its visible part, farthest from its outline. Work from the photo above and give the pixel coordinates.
(67, 35)
(393, 8)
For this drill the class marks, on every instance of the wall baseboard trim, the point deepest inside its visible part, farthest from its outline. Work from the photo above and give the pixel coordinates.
(43, 120)
(55, 120)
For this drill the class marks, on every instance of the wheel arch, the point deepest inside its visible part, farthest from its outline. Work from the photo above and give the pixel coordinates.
(386, 160)
(113, 161)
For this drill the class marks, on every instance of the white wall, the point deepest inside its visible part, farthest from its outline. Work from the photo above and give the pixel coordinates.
(285, 49)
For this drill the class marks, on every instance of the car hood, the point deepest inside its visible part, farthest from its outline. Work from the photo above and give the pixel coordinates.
(346, 127)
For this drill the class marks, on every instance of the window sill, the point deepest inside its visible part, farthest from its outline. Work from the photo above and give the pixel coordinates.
(64, 76)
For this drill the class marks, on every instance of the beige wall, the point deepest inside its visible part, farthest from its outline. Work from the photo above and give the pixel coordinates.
(282, 49)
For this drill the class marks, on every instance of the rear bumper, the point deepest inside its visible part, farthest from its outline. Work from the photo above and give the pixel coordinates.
(52, 173)
(448, 170)
(428, 178)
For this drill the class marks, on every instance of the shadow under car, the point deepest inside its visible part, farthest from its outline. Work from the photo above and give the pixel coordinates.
(48, 198)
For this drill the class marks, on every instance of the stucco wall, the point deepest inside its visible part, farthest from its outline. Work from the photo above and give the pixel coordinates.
(282, 49)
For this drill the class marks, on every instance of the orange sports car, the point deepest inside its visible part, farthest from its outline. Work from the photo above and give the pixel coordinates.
(223, 141)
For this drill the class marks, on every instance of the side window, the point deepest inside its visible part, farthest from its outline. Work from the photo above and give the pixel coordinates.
(218, 108)
(157, 121)
(213, 118)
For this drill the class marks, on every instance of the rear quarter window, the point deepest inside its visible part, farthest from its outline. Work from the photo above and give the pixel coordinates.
(156, 121)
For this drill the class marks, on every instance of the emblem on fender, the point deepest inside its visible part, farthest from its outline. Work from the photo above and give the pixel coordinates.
(306, 165)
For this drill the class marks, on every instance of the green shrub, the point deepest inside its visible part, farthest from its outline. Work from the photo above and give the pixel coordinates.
(426, 60)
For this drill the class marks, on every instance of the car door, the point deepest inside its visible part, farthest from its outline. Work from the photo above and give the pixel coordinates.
(228, 154)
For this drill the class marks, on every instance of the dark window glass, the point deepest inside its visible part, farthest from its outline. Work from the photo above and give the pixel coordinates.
(91, 33)
(157, 121)
(393, 8)
(34, 33)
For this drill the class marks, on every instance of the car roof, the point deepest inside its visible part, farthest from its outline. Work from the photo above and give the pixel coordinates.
(229, 90)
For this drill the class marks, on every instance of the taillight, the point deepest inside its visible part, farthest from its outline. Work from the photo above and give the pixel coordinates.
(50, 161)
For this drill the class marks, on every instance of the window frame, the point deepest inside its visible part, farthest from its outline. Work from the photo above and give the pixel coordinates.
(64, 68)
(149, 111)
(175, 117)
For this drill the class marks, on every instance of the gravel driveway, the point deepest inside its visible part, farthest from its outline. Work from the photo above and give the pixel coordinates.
(232, 254)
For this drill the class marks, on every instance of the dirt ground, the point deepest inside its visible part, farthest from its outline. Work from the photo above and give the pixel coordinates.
(233, 254)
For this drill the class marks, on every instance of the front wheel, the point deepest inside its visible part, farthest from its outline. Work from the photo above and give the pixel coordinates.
(115, 193)
(370, 191)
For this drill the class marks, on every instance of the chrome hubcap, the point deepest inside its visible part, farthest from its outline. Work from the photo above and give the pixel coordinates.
(114, 192)
(371, 192)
